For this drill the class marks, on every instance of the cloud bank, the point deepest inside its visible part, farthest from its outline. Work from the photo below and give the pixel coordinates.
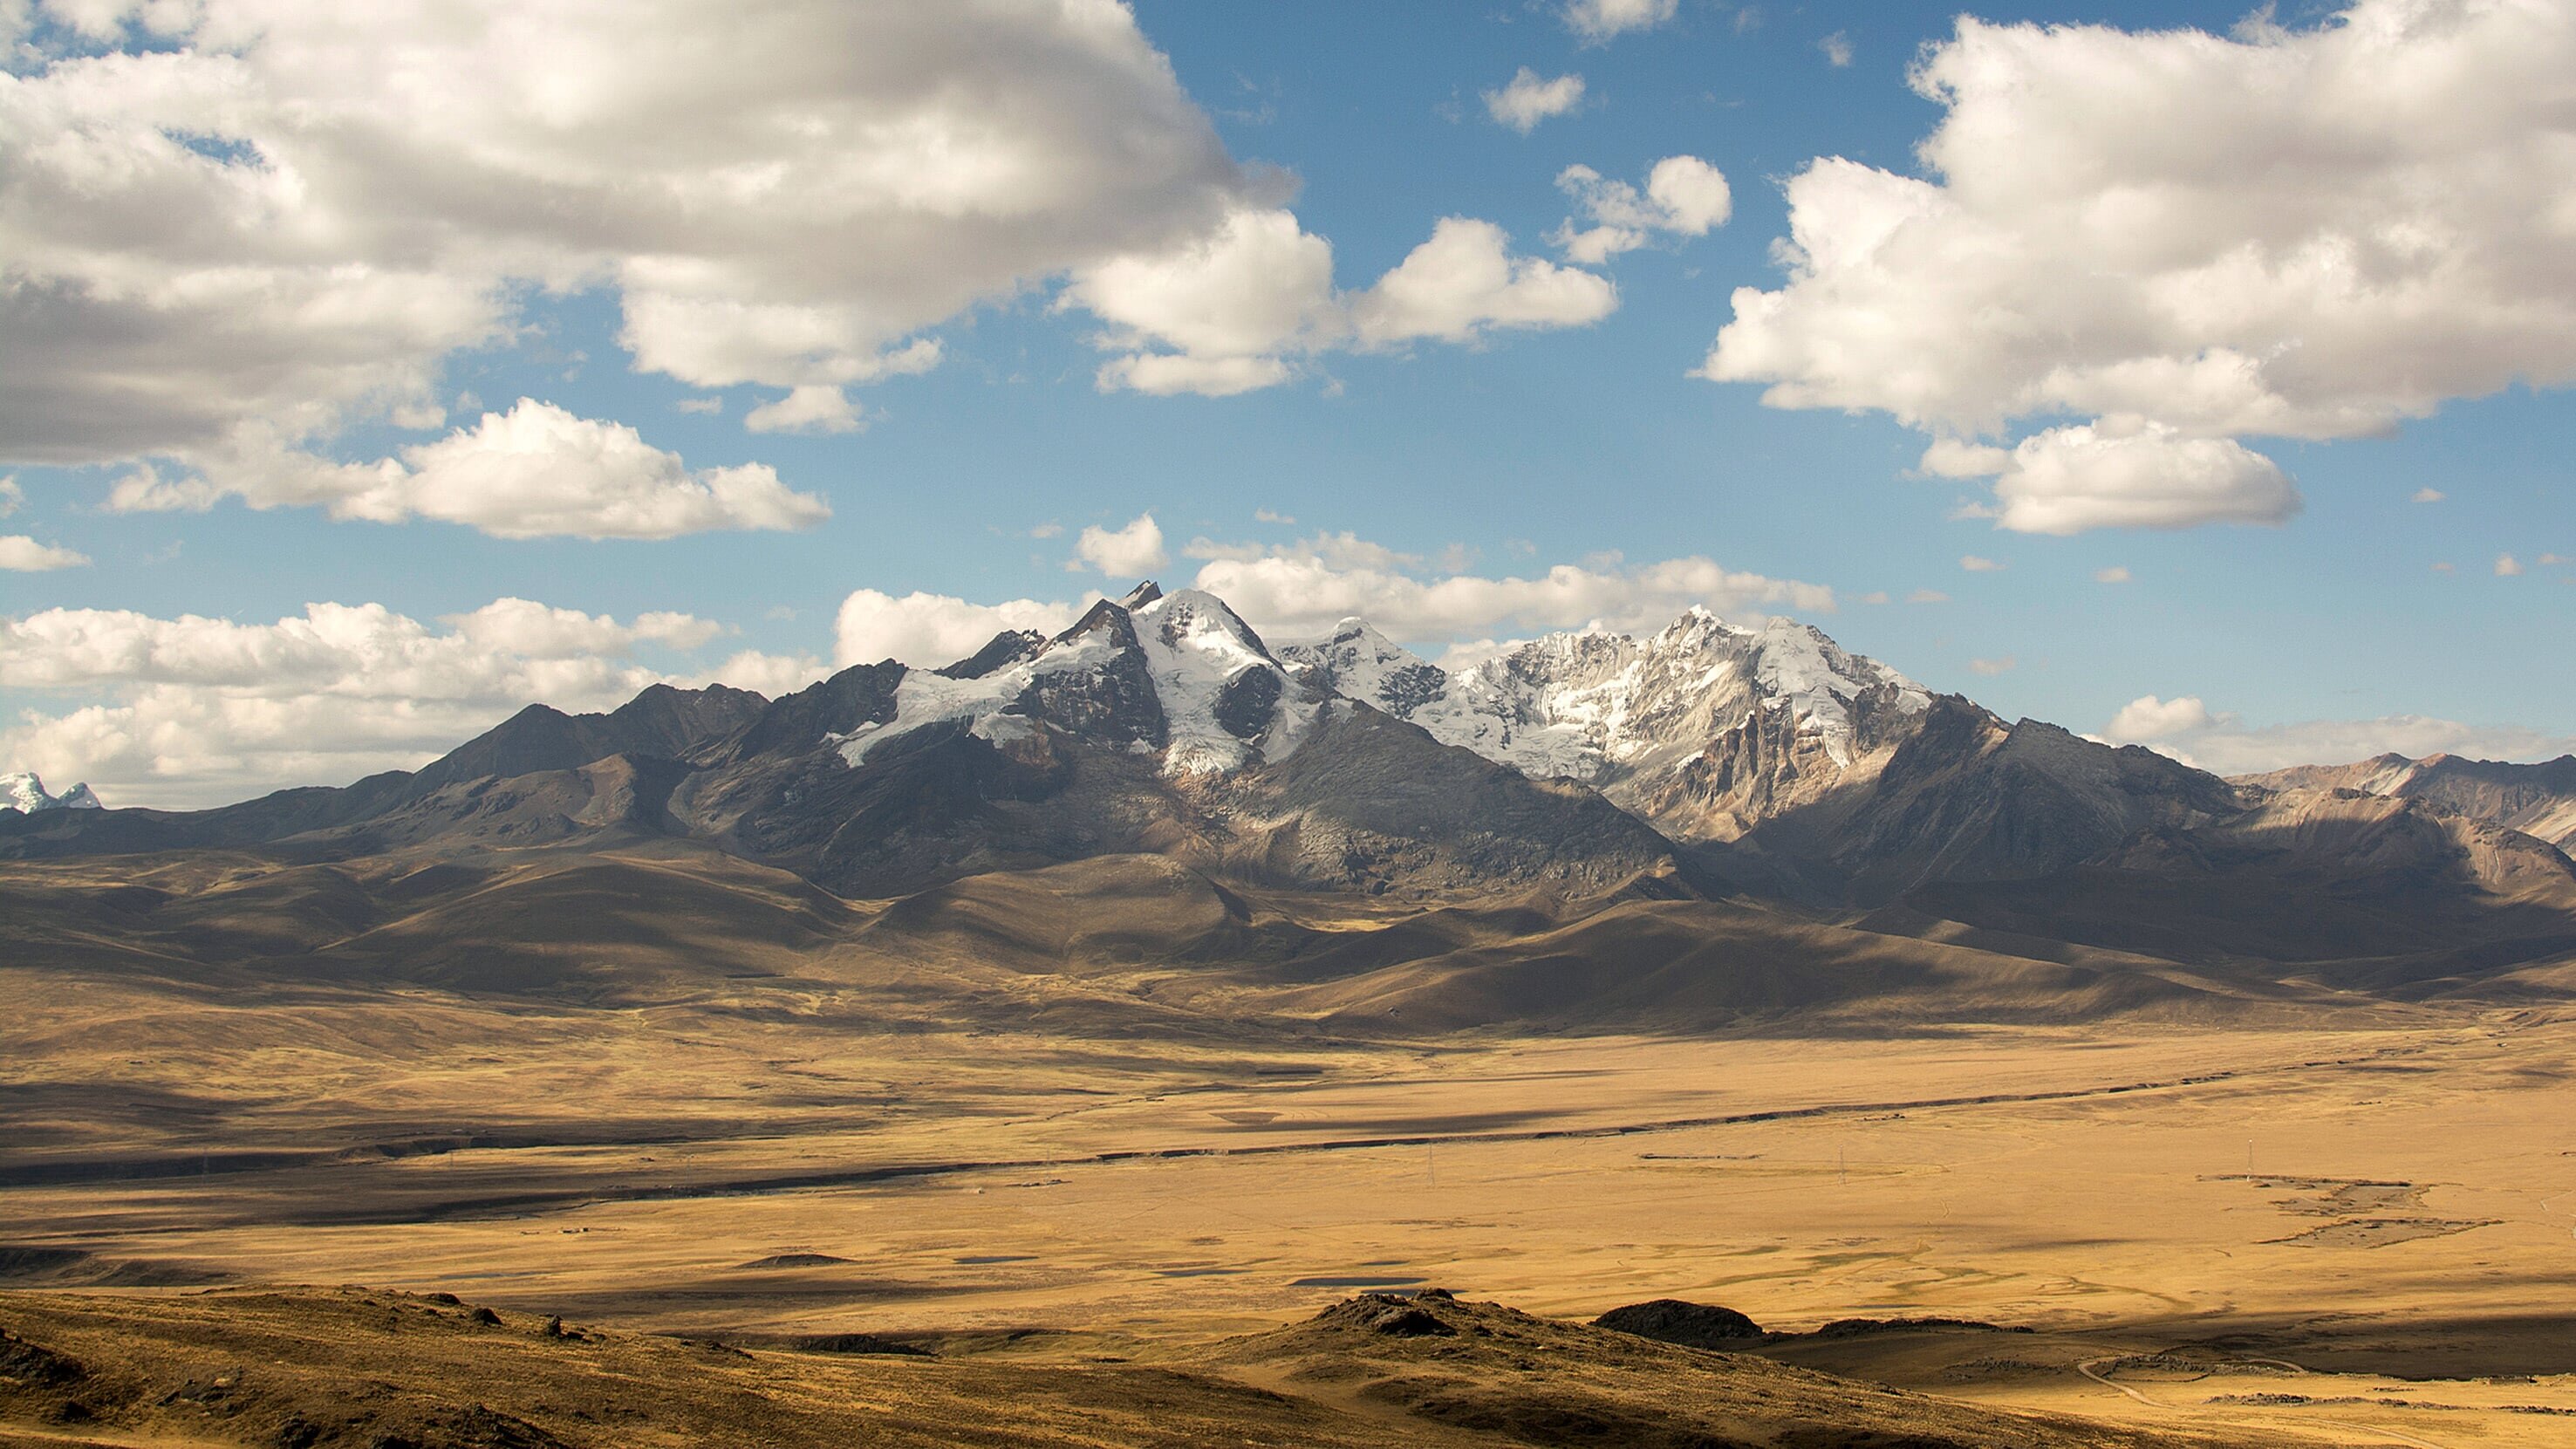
(1302, 589)
(194, 711)
(2187, 729)
(263, 209)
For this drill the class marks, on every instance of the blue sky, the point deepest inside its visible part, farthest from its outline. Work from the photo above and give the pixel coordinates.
(1577, 439)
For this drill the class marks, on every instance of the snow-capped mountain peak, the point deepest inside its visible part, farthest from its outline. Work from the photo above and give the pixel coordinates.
(1180, 674)
(1226, 701)
(1358, 662)
(1583, 703)
(1656, 722)
(1801, 668)
(982, 700)
(1699, 725)
(26, 794)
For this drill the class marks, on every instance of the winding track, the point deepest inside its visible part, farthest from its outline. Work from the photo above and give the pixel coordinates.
(2388, 1436)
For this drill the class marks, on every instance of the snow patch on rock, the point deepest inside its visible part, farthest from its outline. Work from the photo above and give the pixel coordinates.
(1195, 647)
(1197, 652)
(1585, 704)
(926, 698)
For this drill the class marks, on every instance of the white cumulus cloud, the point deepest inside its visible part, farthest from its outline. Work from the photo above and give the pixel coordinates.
(21, 554)
(2306, 233)
(814, 407)
(1684, 196)
(1165, 374)
(1297, 590)
(2123, 472)
(1128, 551)
(1236, 311)
(2150, 718)
(225, 211)
(931, 630)
(533, 471)
(1529, 98)
(1465, 280)
(1228, 305)
(1598, 20)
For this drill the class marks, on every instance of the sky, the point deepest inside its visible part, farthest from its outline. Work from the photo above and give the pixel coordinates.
(2181, 375)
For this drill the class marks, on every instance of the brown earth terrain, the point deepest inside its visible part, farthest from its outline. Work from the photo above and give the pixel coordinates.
(323, 1368)
(1103, 1140)
(1031, 1140)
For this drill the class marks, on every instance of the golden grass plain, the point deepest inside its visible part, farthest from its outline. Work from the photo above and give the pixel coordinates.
(718, 1104)
(2388, 1209)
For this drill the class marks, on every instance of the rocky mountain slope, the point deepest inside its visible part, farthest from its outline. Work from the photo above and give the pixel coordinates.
(2538, 800)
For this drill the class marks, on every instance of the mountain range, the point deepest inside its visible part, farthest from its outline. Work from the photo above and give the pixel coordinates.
(2538, 800)
(1707, 778)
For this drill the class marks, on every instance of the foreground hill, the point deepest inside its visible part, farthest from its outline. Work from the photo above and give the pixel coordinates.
(323, 1369)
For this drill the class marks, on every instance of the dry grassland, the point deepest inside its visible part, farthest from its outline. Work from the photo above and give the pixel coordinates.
(2283, 1230)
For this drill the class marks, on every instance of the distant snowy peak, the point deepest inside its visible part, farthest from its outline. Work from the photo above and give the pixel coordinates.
(1591, 704)
(1818, 679)
(1182, 677)
(26, 794)
(1179, 675)
(1226, 701)
(1358, 662)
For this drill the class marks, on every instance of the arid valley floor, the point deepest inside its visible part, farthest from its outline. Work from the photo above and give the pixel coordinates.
(2344, 1227)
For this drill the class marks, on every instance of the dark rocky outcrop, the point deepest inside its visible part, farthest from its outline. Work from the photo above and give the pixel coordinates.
(1692, 1325)
(1006, 649)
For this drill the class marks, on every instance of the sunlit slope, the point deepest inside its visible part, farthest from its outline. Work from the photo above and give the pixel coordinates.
(352, 1367)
